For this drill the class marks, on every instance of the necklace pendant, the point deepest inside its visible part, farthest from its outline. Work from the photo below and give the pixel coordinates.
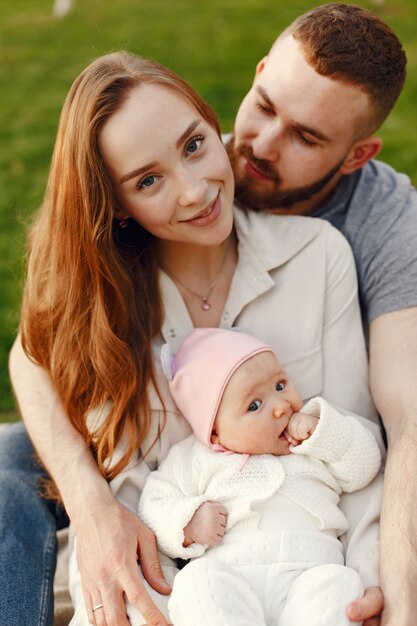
(205, 306)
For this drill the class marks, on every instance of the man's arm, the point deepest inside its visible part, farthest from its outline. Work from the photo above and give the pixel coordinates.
(109, 536)
(393, 372)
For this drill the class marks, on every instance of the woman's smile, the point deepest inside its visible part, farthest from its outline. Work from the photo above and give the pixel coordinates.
(208, 215)
(179, 172)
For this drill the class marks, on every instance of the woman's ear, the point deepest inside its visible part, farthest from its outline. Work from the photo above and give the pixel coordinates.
(362, 152)
(121, 214)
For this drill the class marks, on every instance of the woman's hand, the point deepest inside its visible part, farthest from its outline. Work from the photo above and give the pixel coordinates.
(109, 544)
(207, 525)
(369, 608)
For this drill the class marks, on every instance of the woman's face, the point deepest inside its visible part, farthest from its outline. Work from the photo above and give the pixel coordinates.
(169, 168)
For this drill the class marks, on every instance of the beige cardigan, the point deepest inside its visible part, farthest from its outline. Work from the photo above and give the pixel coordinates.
(294, 288)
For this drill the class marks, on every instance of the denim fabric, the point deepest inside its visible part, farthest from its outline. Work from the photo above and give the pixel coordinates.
(28, 525)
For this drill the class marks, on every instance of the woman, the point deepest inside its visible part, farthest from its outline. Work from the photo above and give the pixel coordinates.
(136, 243)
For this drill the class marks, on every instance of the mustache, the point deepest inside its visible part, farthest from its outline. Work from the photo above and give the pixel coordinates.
(264, 167)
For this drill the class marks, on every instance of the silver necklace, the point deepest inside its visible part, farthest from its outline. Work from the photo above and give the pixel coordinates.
(205, 304)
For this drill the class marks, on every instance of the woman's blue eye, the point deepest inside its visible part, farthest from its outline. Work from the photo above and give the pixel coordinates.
(254, 406)
(148, 181)
(194, 144)
(280, 386)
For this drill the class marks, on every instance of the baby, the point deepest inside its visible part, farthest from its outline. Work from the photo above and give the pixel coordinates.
(255, 490)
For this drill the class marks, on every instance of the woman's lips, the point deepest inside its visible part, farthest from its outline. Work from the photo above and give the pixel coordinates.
(208, 215)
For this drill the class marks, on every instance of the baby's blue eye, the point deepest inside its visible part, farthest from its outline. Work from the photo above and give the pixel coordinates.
(254, 406)
(280, 386)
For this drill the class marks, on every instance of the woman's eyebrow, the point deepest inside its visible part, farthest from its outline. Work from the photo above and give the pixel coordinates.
(187, 131)
(138, 171)
(148, 166)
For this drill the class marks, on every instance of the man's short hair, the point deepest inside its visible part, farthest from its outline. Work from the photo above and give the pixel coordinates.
(354, 46)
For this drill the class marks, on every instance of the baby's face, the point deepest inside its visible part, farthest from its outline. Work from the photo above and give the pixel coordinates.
(256, 407)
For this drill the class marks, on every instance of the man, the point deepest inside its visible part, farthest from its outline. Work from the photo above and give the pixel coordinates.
(304, 144)
(332, 149)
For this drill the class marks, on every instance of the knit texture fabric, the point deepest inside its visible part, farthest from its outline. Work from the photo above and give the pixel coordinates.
(341, 455)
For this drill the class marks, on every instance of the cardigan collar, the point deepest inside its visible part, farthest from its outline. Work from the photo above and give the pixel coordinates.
(265, 242)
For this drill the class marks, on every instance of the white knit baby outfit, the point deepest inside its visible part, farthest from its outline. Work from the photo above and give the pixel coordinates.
(280, 562)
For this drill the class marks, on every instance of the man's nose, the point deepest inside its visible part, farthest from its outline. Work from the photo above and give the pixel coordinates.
(266, 144)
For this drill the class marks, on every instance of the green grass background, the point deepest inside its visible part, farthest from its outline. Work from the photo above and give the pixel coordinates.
(214, 44)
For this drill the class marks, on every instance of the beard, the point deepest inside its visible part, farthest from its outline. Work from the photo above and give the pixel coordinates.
(249, 194)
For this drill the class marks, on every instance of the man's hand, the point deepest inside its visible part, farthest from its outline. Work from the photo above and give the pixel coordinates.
(367, 609)
(301, 426)
(207, 525)
(109, 544)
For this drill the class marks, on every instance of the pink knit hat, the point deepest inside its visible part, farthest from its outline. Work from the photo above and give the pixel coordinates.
(200, 370)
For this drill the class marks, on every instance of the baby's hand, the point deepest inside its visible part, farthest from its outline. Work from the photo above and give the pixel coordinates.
(207, 525)
(301, 426)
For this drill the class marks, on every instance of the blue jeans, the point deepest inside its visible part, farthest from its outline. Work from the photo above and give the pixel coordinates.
(28, 525)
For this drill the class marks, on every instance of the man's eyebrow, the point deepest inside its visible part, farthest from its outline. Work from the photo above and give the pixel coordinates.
(303, 127)
(313, 131)
(187, 131)
(265, 96)
(153, 164)
(138, 171)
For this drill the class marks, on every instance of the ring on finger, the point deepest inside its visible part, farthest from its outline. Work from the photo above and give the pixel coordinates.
(97, 607)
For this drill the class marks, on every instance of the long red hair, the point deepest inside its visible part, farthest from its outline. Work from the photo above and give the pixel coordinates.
(91, 304)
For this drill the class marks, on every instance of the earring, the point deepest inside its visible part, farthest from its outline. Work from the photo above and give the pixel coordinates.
(123, 223)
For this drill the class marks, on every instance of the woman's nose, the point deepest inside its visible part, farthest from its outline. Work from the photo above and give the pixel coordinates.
(192, 189)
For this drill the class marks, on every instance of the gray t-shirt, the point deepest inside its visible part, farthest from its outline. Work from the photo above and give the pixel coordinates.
(376, 209)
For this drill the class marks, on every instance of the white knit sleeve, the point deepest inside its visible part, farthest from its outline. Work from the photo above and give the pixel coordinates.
(349, 450)
(170, 499)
